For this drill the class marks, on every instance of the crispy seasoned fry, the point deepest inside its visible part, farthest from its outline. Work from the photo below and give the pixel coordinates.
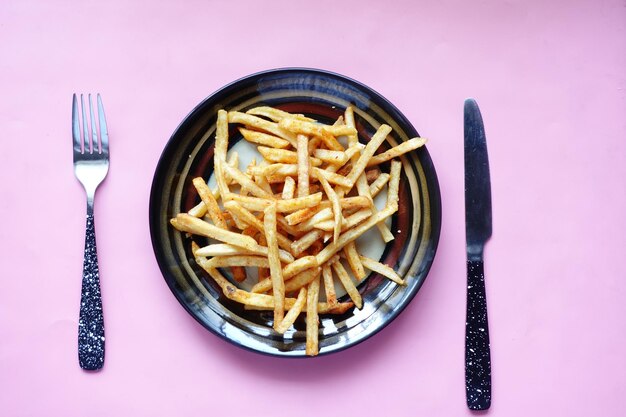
(368, 152)
(378, 184)
(276, 114)
(222, 249)
(382, 269)
(289, 188)
(354, 261)
(312, 318)
(300, 245)
(301, 215)
(347, 283)
(336, 206)
(394, 183)
(276, 270)
(264, 139)
(396, 151)
(238, 260)
(302, 279)
(303, 165)
(293, 312)
(261, 124)
(187, 223)
(329, 284)
(331, 157)
(209, 201)
(299, 265)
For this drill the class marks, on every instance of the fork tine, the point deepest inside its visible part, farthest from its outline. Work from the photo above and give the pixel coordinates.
(94, 133)
(78, 143)
(104, 133)
(86, 139)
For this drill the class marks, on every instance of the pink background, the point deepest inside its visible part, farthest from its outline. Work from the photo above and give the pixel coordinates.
(550, 79)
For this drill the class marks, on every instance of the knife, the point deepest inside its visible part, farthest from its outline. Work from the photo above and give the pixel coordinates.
(477, 232)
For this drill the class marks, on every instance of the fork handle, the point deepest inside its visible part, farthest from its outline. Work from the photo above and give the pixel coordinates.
(91, 321)
(477, 350)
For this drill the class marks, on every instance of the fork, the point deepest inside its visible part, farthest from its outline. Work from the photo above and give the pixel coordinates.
(91, 164)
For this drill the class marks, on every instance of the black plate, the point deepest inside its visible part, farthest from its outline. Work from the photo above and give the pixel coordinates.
(323, 95)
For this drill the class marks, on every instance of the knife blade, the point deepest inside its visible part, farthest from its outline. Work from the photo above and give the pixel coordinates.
(478, 230)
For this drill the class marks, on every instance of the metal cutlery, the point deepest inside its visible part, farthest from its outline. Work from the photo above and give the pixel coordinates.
(477, 232)
(91, 165)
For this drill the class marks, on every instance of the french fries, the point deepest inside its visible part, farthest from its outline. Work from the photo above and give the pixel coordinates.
(295, 213)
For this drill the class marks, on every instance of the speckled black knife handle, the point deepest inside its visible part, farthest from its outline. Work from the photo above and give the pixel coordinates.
(91, 321)
(477, 351)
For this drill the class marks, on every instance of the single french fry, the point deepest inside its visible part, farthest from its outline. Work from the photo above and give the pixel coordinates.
(347, 283)
(312, 318)
(368, 152)
(302, 279)
(300, 245)
(187, 223)
(213, 208)
(301, 215)
(377, 186)
(331, 157)
(221, 147)
(394, 183)
(354, 261)
(239, 260)
(314, 143)
(293, 312)
(243, 180)
(336, 207)
(199, 210)
(265, 139)
(382, 269)
(349, 118)
(283, 206)
(263, 273)
(303, 165)
(222, 249)
(329, 284)
(276, 270)
(261, 124)
(396, 151)
(289, 188)
(298, 266)
(276, 114)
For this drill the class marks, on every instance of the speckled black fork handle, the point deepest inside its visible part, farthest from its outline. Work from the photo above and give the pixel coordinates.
(91, 321)
(477, 350)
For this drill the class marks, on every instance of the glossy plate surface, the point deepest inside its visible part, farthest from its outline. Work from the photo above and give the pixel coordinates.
(323, 95)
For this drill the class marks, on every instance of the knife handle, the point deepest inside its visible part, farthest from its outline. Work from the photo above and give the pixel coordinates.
(477, 351)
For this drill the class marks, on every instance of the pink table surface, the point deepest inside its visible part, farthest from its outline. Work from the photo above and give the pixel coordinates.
(550, 79)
